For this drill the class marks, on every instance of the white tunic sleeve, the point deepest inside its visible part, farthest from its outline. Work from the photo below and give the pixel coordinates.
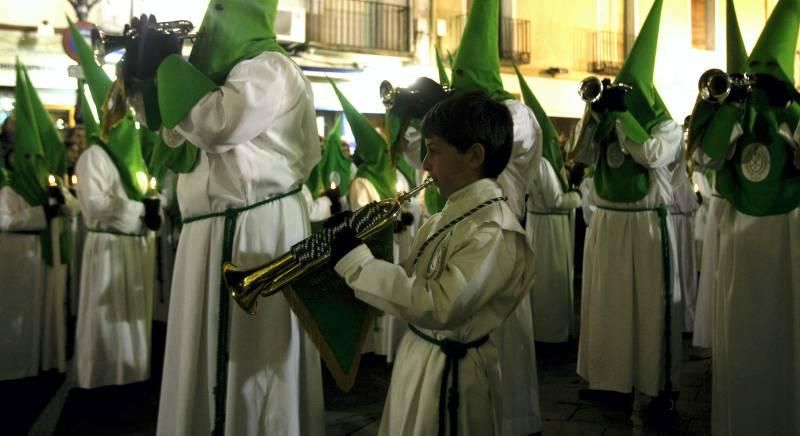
(256, 92)
(660, 148)
(463, 287)
(362, 192)
(103, 202)
(545, 189)
(17, 215)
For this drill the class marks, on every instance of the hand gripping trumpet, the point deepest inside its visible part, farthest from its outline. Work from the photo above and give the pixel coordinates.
(309, 254)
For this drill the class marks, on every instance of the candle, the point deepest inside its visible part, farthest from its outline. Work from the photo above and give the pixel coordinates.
(51, 180)
(73, 180)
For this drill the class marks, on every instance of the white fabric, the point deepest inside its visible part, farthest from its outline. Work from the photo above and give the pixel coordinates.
(703, 321)
(623, 273)
(756, 325)
(550, 235)
(463, 287)
(22, 286)
(166, 244)
(702, 186)
(587, 208)
(682, 209)
(258, 138)
(319, 209)
(112, 343)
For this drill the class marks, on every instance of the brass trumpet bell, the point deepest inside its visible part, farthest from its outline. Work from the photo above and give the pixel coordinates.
(591, 89)
(714, 85)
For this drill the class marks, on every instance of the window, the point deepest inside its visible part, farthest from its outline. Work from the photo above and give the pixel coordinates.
(703, 12)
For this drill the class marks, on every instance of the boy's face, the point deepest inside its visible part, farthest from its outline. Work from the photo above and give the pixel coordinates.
(450, 168)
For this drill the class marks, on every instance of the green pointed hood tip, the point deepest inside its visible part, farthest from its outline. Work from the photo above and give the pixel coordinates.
(736, 54)
(477, 63)
(233, 31)
(97, 79)
(775, 50)
(372, 151)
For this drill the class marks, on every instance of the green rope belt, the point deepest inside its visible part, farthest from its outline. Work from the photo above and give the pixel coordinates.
(454, 351)
(666, 266)
(113, 232)
(229, 228)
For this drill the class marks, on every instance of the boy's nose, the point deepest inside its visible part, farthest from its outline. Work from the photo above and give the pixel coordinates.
(426, 164)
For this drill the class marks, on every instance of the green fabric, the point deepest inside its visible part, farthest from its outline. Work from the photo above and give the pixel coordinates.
(627, 183)
(434, 201)
(630, 125)
(443, 79)
(90, 124)
(180, 159)
(371, 150)
(775, 49)
(333, 160)
(123, 143)
(643, 100)
(4, 176)
(54, 150)
(148, 139)
(182, 85)
(337, 322)
(233, 31)
(735, 51)
(550, 147)
(477, 64)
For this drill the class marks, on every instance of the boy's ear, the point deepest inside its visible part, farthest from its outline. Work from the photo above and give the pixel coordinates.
(477, 155)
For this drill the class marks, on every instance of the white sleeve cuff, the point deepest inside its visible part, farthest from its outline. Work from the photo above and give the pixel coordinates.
(355, 258)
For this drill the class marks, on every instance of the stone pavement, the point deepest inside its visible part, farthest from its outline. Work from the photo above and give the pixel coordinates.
(49, 404)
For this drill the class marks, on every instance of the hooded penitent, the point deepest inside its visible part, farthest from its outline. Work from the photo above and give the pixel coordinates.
(123, 143)
(372, 151)
(628, 181)
(334, 167)
(760, 178)
(550, 148)
(38, 151)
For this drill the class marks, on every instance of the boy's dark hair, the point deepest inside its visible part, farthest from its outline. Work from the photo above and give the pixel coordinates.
(473, 117)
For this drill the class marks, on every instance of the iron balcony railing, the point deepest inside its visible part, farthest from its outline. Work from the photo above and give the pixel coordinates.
(359, 25)
(514, 38)
(608, 52)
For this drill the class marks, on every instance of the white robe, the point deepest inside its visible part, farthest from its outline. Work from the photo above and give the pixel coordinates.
(756, 323)
(623, 277)
(258, 138)
(515, 338)
(464, 286)
(112, 339)
(550, 234)
(681, 215)
(706, 289)
(22, 286)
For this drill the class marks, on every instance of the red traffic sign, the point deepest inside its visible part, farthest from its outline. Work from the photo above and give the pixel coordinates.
(68, 42)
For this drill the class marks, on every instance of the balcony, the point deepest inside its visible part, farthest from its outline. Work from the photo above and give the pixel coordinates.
(608, 52)
(514, 38)
(359, 25)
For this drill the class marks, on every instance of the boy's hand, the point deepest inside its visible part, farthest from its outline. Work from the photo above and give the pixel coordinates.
(344, 241)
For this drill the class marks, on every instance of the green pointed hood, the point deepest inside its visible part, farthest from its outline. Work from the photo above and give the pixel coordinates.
(443, 79)
(233, 31)
(775, 50)
(123, 143)
(29, 177)
(550, 148)
(736, 53)
(90, 123)
(372, 151)
(477, 64)
(333, 161)
(644, 104)
(55, 152)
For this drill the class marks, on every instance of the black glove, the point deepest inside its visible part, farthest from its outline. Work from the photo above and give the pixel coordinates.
(344, 241)
(615, 98)
(779, 93)
(601, 105)
(739, 93)
(404, 220)
(146, 46)
(337, 219)
(333, 195)
(152, 217)
(699, 198)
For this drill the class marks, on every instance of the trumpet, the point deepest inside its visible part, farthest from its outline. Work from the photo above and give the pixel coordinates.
(591, 89)
(415, 100)
(715, 85)
(246, 285)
